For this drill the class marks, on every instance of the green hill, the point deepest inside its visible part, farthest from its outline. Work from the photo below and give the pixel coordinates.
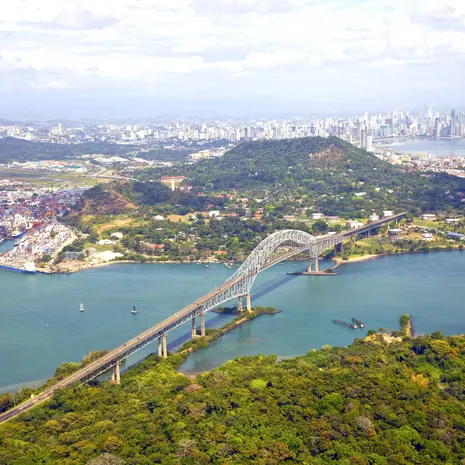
(368, 404)
(329, 172)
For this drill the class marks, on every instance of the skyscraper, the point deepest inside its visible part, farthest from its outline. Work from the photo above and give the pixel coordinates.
(452, 123)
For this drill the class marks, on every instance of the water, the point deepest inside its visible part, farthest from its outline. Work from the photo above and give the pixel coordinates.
(436, 147)
(6, 246)
(41, 326)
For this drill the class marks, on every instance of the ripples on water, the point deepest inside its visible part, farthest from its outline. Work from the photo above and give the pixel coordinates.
(41, 325)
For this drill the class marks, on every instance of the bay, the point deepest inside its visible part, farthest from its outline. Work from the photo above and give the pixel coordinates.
(436, 147)
(41, 326)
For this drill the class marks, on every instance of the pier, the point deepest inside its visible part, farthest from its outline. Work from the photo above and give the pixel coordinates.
(358, 322)
(344, 323)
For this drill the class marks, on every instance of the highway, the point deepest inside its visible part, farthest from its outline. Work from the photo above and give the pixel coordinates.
(123, 351)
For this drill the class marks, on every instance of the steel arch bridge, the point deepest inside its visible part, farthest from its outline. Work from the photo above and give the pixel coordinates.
(279, 246)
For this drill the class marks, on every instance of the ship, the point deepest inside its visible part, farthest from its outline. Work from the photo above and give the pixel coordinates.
(17, 234)
(29, 268)
(16, 243)
(81, 307)
(134, 310)
(344, 323)
(358, 322)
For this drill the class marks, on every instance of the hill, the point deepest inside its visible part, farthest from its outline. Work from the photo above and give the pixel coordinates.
(368, 404)
(336, 176)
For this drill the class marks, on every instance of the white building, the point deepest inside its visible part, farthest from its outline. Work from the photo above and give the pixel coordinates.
(352, 224)
(213, 213)
(428, 216)
(427, 237)
(373, 217)
(317, 216)
(158, 218)
(118, 235)
(388, 213)
(452, 220)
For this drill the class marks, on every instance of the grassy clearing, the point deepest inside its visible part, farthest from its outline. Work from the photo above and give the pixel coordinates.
(120, 222)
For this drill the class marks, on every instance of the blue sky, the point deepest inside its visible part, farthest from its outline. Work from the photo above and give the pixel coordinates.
(107, 58)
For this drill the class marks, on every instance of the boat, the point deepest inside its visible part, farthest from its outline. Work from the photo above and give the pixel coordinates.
(2, 240)
(358, 322)
(81, 307)
(17, 234)
(134, 310)
(206, 266)
(344, 323)
(16, 243)
(28, 269)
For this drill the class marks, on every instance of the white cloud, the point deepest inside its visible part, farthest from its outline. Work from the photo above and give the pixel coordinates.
(146, 43)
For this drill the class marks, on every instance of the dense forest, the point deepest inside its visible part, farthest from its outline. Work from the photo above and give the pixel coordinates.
(381, 401)
(328, 171)
(19, 150)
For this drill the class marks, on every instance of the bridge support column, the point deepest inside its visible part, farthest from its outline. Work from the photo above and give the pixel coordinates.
(239, 303)
(202, 325)
(316, 265)
(194, 328)
(249, 303)
(165, 350)
(160, 348)
(309, 267)
(117, 373)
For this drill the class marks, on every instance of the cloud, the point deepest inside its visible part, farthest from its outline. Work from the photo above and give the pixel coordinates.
(79, 19)
(241, 6)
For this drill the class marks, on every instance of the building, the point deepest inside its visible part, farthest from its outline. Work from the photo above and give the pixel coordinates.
(373, 217)
(333, 219)
(213, 213)
(118, 235)
(158, 218)
(455, 236)
(388, 213)
(317, 216)
(452, 220)
(173, 182)
(369, 144)
(427, 237)
(394, 234)
(352, 224)
(428, 216)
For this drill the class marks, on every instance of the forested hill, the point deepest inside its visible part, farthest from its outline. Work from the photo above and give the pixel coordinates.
(368, 404)
(326, 170)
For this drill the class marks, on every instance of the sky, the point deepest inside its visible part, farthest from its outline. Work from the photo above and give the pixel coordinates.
(145, 58)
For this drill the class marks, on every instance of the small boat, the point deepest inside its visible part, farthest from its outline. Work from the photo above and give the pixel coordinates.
(344, 323)
(358, 322)
(134, 310)
(206, 266)
(81, 307)
(16, 243)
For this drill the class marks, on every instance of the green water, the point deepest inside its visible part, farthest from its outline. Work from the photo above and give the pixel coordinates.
(41, 326)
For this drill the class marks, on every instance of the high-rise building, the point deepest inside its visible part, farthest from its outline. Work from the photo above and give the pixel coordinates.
(452, 123)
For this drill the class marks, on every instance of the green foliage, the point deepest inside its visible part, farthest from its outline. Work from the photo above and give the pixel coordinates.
(370, 404)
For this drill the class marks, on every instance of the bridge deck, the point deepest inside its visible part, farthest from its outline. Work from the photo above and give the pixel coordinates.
(123, 351)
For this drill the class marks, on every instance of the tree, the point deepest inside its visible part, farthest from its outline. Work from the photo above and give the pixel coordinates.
(320, 227)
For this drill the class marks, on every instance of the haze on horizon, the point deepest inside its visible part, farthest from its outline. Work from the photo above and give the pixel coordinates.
(143, 58)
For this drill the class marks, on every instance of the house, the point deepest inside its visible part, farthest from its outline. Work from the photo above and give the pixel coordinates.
(172, 181)
(452, 220)
(317, 216)
(333, 219)
(352, 224)
(118, 235)
(454, 235)
(106, 242)
(427, 237)
(158, 218)
(373, 217)
(428, 216)
(185, 188)
(289, 217)
(394, 234)
(213, 213)
(387, 213)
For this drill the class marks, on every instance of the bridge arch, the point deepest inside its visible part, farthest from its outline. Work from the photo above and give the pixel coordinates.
(254, 263)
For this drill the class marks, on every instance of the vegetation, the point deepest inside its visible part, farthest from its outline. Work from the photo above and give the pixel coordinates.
(371, 403)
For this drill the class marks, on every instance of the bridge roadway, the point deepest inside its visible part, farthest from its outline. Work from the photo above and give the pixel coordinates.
(109, 360)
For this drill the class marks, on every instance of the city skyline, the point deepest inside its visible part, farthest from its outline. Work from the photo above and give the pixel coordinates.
(231, 57)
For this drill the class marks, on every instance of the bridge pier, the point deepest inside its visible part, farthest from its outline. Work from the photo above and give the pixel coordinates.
(165, 350)
(309, 267)
(249, 303)
(116, 375)
(194, 329)
(316, 265)
(202, 325)
(160, 347)
(239, 304)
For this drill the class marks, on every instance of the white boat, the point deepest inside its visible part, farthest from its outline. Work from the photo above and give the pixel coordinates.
(81, 307)
(134, 311)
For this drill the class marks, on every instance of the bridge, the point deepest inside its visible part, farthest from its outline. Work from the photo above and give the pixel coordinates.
(277, 247)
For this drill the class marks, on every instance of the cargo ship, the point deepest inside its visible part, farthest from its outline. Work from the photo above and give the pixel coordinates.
(358, 322)
(343, 323)
(29, 268)
(17, 234)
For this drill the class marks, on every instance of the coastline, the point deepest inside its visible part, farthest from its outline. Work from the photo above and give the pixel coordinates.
(338, 261)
